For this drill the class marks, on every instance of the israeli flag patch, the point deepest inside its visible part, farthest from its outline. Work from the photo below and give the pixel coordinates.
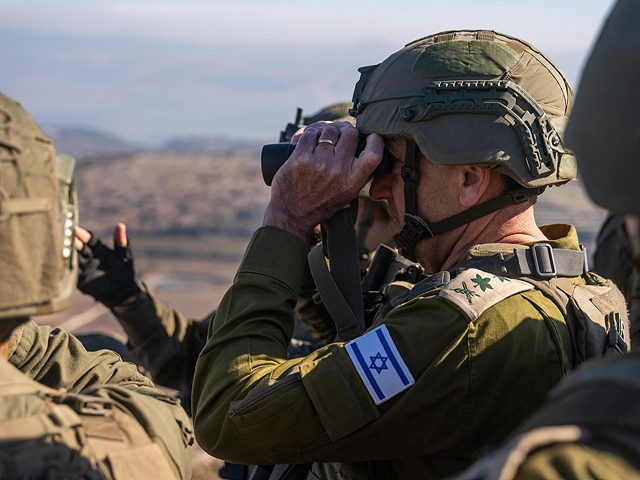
(379, 364)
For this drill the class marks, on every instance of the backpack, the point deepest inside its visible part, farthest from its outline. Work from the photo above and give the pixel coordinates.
(51, 434)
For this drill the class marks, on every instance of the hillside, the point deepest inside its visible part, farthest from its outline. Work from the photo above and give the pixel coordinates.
(174, 195)
(87, 142)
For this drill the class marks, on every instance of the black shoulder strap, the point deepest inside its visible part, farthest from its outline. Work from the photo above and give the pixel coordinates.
(340, 288)
(430, 283)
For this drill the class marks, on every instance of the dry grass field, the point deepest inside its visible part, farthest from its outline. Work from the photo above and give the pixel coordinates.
(184, 195)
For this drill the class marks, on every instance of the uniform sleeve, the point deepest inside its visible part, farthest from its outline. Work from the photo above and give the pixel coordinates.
(58, 360)
(253, 406)
(163, 340)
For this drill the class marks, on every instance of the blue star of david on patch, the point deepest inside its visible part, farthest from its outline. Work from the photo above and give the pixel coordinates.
(374, 363)
(379, 364)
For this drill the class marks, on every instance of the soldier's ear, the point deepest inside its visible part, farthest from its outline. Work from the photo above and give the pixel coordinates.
(474, 182)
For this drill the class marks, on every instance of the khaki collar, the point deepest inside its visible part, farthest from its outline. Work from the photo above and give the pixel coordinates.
(559, 235)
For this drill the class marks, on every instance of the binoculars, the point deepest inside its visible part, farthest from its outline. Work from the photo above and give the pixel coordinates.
(274, 155)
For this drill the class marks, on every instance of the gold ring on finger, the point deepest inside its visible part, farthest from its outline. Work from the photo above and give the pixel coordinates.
(326, 140)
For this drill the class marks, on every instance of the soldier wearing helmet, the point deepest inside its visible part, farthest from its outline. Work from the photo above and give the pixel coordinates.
(64, 412)
(589, 428)
(475, 120)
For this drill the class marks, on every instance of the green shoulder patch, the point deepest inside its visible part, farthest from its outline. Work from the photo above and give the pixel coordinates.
(474, 291)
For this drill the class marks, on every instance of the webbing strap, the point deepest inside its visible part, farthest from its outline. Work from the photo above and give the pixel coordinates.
(365, 222)
(340, 288)
(544, 261)
(411, 176)
(27, 205)
(347, 324)
(415, 229)
(539, 260)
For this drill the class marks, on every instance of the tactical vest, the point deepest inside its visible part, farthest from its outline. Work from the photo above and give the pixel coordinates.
(50, 434)
(595, 312)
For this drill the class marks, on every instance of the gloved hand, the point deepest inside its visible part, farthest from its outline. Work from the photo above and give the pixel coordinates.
(107, 274)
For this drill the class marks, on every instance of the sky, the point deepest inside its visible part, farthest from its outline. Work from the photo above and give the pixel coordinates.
(150, 70)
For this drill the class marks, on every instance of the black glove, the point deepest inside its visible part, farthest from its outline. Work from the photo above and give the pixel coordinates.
(107, 274)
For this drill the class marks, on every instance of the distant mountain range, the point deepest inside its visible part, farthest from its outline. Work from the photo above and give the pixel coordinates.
(213, 144)
(83, 142)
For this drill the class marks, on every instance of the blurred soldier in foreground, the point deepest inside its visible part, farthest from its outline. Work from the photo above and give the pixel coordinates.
(590, 429)
(472, 350)
(64, 412)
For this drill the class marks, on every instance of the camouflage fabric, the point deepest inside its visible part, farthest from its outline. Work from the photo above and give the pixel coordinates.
(252, 405)
(419, 93)
(43, 360)
(338, 112)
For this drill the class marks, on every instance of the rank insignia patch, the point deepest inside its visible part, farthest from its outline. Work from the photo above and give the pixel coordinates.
(379, 364)
(474, 291)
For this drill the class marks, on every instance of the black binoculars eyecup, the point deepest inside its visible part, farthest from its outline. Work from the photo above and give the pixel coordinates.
(274, 155)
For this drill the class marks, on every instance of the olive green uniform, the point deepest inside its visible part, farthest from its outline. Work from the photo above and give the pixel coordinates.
(483, 350)
(57, 360)
(167, 343)
(162, 339)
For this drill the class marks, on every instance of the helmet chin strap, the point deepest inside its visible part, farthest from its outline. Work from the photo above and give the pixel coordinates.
(415, 228)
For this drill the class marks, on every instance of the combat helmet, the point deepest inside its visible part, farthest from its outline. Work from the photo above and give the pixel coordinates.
(38, 216)
(473, 98)
(337, 112)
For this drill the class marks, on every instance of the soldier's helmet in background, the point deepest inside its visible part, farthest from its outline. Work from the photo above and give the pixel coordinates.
(337, 112)
(605, 127)
(475, 98)
(38, 215)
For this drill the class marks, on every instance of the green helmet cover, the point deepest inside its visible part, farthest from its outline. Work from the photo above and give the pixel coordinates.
(337, 112)
(474, 98)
